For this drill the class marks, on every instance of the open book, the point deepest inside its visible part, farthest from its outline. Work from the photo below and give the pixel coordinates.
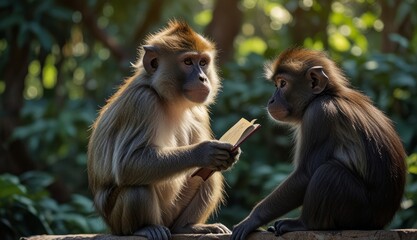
(236, 135)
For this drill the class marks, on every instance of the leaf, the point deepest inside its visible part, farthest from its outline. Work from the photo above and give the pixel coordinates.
(339, 42)
(36, 180)
(403, 79)
(10, 186)
(44, 37)
(403, 11)
(252, 45)
(74, 220)
(61, 13)
(11, 21)
(34, 223)
(203, 18)
(402, 41)
(49, 204)
(82, 203)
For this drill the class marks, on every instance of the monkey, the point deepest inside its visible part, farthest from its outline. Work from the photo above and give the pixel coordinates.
(153, 133)
(349, 162)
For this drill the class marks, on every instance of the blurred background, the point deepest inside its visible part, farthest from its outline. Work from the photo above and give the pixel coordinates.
(60, 60)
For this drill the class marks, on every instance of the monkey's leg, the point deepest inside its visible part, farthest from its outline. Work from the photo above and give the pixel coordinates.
(336, 199)
(137, 212)
(202, 205)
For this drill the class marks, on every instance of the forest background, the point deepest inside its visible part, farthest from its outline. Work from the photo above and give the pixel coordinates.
(60, 60)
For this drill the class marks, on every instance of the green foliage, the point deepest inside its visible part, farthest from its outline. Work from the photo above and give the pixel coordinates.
(71, 74)
(32, 20)
(56, 128)
(407, 216)
(27, 209)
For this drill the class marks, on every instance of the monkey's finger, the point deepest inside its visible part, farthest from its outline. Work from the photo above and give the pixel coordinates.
(236, 152)
(224, 229)
(225, 146)
(237, 234)
(224, 164)
(278, 227)
(222, 155)
(166, 233)
(162, 232)
(231, 160)
(152, 234)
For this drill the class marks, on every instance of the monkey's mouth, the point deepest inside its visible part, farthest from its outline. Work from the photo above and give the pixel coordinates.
(278, 114)
(197, 95)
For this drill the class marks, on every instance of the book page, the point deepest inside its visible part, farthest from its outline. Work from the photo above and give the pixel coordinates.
(249, 131)
(233, 135)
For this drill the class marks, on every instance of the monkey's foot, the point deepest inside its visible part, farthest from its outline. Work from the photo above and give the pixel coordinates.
(203, 228)
(154, 232)
(288, 225)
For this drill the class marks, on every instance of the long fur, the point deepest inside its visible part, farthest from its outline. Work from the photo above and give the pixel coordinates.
(143, 128)
(341, 125)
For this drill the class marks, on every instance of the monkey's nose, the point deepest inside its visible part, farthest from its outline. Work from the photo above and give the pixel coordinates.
(271, 101)
(203, 79)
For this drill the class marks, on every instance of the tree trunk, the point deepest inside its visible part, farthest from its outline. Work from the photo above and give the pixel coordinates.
(389, 13)
(14, 157)
(224, 27)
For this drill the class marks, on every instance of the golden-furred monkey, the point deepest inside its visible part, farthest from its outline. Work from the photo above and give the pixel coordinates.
(153, 133)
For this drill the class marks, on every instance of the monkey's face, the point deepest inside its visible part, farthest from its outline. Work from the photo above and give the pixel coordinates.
(183, 76)
(195, 84)
(294, 90)
(279, 108)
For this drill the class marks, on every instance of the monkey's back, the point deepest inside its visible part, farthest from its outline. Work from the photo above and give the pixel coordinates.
(363, 139)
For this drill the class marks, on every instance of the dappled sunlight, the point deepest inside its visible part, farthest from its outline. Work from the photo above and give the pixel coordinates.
(60, 61)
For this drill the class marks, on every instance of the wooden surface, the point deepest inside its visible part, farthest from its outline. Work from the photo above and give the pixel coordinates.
(397, 234)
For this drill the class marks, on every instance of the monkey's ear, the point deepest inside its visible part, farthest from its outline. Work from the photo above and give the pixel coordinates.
(318, 79)
(150, 58)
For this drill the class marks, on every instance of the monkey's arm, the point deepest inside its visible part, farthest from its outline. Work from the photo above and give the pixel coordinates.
(153, 164)
(130, 139)
(287, 196)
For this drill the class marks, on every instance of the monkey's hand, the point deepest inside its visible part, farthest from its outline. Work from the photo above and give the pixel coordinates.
(216, 155)
(244, 228)
(287, 225)
(154, 232)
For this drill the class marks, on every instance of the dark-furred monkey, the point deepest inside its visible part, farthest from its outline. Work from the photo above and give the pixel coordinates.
(349, 161)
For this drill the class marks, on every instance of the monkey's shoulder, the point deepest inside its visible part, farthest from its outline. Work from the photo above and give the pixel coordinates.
(321, 108)
(140, 99)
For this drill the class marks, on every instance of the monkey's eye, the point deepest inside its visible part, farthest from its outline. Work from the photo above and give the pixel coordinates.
(188, 61)
(203, 62)
(282, 83)
(154, 63)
